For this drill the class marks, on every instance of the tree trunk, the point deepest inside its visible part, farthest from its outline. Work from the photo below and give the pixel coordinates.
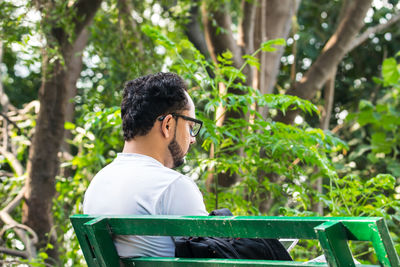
(217, 43)
(194, 31)
(274, 20)
(43, 161)
(329, 95)
(74, 65)
(279, 15)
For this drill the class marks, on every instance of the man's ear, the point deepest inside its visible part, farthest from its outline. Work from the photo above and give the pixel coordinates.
(167, 126)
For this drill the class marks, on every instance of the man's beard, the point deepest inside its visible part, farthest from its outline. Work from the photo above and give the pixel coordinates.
(176, 153)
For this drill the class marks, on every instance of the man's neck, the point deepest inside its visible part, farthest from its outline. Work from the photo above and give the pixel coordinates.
(143, 147)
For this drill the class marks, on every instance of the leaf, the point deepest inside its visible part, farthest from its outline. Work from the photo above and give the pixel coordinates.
(156, 35)
(227, 54)
(379, 143)
(365, 117)
(43, 255)
(365, 104)
(267, 46)
(394, 168)
(377, 80)
(252, 61)
(69, 125)
(390, 73)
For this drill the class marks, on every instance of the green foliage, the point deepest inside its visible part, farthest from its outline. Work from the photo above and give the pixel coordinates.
(390, 71)
(374, 197)
(20, 74)
(267, 148)
(97, 140)
(379, 125)
(379, 147)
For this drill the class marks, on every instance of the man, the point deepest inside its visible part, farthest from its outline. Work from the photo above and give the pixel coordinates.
(159, 125)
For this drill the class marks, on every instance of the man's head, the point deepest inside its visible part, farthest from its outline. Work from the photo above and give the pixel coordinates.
(158, 110)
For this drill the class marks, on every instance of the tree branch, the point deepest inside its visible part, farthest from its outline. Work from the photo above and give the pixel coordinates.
(5, 173)
(14, 203)
(15, 164)
(373, 30)
(329, 98)
(20, 229)
(333, 52)
(246, 26)
(13, 252)
(219, 36)
(85, 11)
(10, 121)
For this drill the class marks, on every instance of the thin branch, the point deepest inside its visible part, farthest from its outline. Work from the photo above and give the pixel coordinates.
(14, 203)
(6, 262)
(33, 104)
(18, 226)
(13, 252)
(263, 36)
(10, 121)
(15, 164)
(5, 173)
(329, 99)
(373, 30)
(20, 229)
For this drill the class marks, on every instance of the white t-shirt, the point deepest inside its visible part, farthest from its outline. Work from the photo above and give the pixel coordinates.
(135, 184)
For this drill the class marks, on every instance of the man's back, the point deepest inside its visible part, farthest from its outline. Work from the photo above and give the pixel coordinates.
(135, 184)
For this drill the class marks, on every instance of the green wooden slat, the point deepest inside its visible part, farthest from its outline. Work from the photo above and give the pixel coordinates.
(333, 240)
(100, 237)
(383, 245)
(230, 226)
(180, 262)
(359, 231)
(139, 262)
(78, 222)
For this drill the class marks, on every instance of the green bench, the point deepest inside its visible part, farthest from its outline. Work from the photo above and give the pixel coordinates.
(95, 237)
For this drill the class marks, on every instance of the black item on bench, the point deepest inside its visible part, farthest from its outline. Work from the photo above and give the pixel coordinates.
(230, 248)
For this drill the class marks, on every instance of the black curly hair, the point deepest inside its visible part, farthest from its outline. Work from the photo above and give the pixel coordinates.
(149, 97)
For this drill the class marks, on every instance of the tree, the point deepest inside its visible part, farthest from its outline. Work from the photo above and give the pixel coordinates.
(63, 42)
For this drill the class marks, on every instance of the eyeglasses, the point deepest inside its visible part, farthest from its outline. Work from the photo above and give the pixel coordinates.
(194, 129)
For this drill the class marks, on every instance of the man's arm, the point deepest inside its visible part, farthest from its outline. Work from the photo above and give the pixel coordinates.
(182, 197)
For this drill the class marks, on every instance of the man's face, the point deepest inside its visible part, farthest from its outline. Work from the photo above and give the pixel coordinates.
(179, 146)
(178, 156)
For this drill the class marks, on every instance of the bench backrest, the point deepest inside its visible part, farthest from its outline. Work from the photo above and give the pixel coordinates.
(95, 236)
